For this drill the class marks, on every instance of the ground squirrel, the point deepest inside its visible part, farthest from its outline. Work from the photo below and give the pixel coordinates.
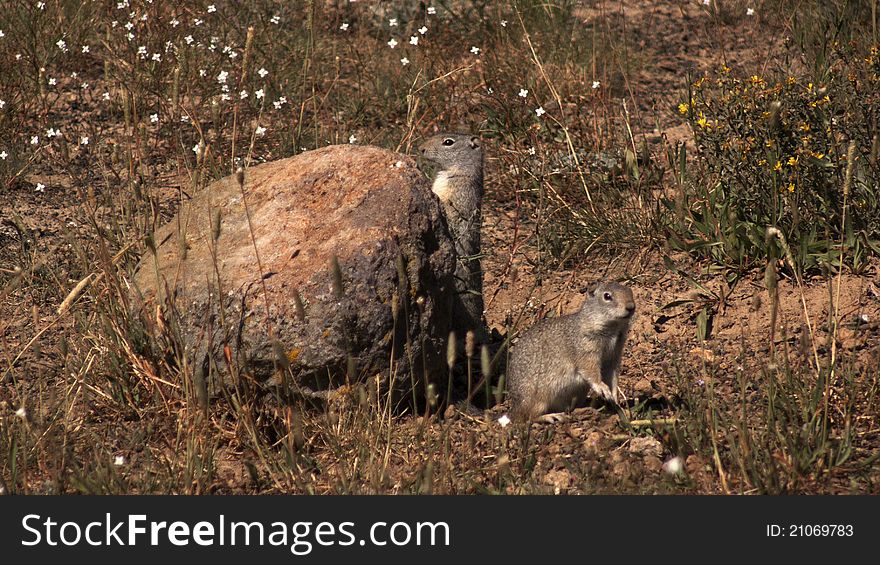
(560, 360)
(459, 186)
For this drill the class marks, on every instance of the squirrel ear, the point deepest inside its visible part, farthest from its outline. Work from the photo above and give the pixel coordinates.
(590, 290)
(475, 142)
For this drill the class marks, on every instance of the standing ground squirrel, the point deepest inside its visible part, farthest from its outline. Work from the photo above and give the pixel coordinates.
(459, 186)
(558, 361)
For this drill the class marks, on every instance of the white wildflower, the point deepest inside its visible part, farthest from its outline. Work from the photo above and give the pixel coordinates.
(673, 466)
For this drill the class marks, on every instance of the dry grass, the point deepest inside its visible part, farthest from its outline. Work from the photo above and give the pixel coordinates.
(114, 113)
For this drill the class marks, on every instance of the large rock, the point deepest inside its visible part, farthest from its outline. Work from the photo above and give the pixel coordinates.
(368, 207)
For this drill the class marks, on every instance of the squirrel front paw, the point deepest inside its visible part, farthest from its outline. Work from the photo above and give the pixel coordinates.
(602, 391)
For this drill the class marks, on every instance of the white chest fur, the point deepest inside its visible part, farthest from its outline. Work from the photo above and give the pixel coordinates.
(441, 186)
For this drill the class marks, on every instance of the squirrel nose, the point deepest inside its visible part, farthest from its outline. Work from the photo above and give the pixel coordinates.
(630, 307)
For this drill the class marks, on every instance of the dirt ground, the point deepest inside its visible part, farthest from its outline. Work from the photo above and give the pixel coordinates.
(664, 353)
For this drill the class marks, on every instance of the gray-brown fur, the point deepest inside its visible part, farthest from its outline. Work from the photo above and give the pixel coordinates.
(559, 361)
(459, 186)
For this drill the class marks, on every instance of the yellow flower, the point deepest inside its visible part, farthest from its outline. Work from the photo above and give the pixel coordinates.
(777, 166)
(703, 122)
(699, 82)
(791, 80)
(792, 161)
(756, 80)
(683, 108)
(804, 127)
(824, 100)
(817, 155)
(791, 187)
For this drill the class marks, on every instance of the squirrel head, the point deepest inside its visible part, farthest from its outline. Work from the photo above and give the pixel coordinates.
(454, 151)
(609, 307)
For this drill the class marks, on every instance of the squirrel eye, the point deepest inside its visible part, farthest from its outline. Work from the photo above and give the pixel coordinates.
(448, 141)
(607, 296)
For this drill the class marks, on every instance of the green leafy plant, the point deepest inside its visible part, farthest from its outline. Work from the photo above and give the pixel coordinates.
(774, 152)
